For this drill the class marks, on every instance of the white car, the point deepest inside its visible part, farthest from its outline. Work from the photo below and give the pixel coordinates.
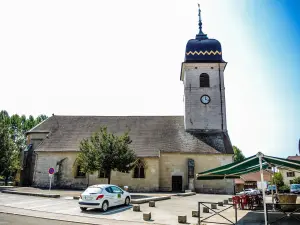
(250, 192)
(103, 196)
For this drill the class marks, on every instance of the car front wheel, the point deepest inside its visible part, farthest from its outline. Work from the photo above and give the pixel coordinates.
(105, 206)
(127, 201)
(83, 208)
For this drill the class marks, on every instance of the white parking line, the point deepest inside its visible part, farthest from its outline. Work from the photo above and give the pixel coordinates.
(8, 195)
(8, 199)
(23, 202)
(74, 209)
(116, 210)
(45, 205)
(14, 196)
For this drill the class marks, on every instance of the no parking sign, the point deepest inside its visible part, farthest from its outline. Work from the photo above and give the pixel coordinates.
(51, 172)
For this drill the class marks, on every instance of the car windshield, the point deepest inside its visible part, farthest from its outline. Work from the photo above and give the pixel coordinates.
(93, 190)
(295, 186)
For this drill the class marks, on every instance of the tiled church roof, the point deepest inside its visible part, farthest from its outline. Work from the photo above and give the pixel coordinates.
(149, 134)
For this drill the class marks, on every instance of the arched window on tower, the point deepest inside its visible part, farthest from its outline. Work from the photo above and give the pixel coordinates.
(204, 80)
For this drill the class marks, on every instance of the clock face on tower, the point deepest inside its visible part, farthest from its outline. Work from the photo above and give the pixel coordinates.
(205, 99)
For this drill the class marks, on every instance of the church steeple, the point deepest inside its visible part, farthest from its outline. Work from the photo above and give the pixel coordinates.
(202, 48)
(202, 73)
(200, 35)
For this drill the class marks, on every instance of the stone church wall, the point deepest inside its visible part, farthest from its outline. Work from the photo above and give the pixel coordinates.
(158, 172)
(175, 164)
(65, 176)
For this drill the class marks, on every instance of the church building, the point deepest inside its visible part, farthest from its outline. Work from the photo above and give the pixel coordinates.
(170, 149)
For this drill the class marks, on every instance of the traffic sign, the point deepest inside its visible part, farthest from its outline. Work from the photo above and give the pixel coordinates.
(51, 170)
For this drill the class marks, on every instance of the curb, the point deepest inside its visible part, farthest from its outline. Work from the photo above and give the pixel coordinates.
(186, 194)
(6, 187)
(31, 194)
(145, 200)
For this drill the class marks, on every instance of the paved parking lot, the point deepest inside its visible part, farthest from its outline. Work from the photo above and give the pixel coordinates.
(165, 212)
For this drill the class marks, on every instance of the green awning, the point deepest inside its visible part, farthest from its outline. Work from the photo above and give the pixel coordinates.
(249, 165)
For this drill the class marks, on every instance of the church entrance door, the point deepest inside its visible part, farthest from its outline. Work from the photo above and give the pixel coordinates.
(177, 183)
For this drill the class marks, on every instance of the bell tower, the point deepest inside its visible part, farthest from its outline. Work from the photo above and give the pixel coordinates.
(202, 73)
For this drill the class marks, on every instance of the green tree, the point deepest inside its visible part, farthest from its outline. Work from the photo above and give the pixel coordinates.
(30, 123)
(14, 140)
(15, 122)
(40, 118)
(106, 151)
(4, 117)
(9, 153)
(277, 179)
(296, 180)
(238, 155)
(19, 125)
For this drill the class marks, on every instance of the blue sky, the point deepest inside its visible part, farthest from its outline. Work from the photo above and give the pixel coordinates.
(123, 58)
(274, 29)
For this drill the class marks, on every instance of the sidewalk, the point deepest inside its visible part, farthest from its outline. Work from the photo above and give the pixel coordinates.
(74, 193)
(60, 192)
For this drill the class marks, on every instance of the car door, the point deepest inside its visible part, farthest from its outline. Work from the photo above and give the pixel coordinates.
(119, 195)
(111, 196)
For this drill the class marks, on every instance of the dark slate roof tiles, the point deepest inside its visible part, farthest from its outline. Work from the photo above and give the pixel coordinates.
(149, 134)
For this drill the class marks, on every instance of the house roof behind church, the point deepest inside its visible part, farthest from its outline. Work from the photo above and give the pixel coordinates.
(294, 158)
(150, 134)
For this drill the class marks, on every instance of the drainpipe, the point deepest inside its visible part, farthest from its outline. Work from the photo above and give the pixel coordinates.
(221, 100)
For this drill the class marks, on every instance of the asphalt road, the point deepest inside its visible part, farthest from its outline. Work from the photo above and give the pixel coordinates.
(165, 212)
(10, 219)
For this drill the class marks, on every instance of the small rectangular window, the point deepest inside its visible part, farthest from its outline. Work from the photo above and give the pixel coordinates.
(204, 80)
(290, 174)
(102, 174)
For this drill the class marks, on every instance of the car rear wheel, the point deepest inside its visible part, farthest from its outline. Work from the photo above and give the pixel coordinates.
(104, 206)
(83, 208)
(127, 201)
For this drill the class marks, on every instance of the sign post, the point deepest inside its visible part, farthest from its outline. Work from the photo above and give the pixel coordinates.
(191, 174)
(51, 172)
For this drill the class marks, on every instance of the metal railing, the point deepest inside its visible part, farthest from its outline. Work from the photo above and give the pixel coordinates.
(216, 213)
(277, 207)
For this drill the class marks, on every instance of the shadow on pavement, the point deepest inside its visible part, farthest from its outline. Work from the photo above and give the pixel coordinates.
(110, 211)
(257, 218)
